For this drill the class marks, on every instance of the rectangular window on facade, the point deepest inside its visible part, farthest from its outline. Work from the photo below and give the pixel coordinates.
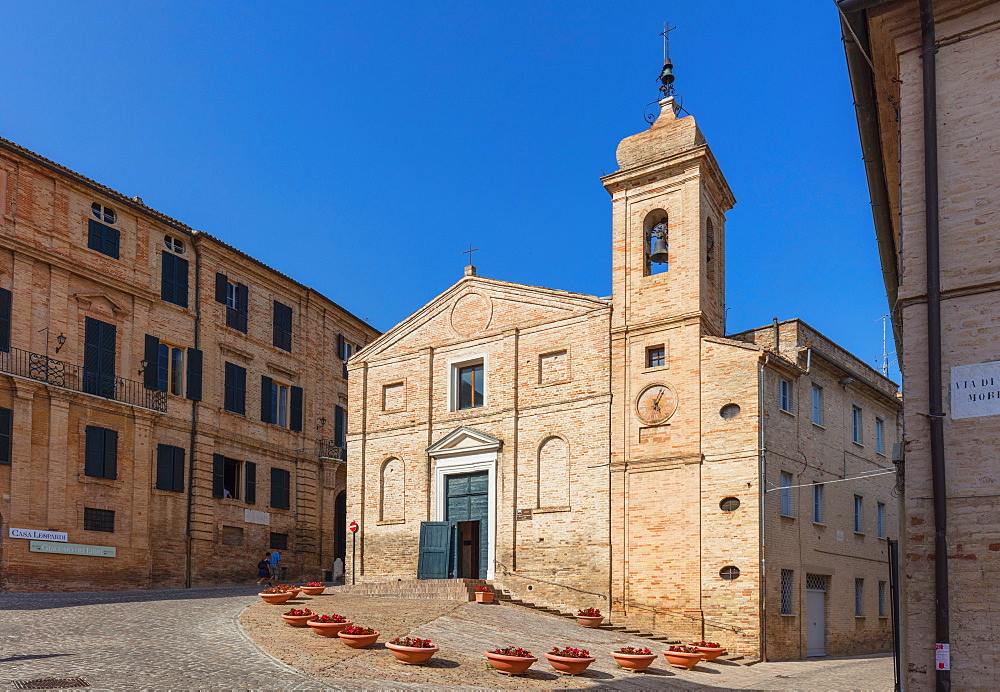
(99, 354)
(279, 541)
(6, 435)
(103, 238)
(655, 357)
(817, 405)
(879, 435)
(818, 503)
(232, 535)
(339, 426)
(170, 468)
(236, 297)
(785, 395)
(174, 279)
(470, 383)
(282, 337)
(281, 488)
(280, 404)
(786, 494)
(6, 305)
(856, 429)
(230, 476)
(98, 520)
(170, 369)
(881, 599)
(857, 513)
(859, 598)
(236, 389)
(880, 519)
(101, 452)
(786, 591)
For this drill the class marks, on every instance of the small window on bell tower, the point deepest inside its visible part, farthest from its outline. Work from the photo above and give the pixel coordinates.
(657, 245)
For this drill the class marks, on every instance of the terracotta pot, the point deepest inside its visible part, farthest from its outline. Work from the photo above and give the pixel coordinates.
(294, 592)
(634, 661)
(569, 666)
(710, 653)
(590, 622)
(680, 659)
(297, 620)
(275, 598)
(510, 665)
(411, 655)
(484, 597)
(313, 590)
(358, 641)
(328, 629)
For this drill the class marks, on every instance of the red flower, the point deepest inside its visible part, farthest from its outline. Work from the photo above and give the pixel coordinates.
(684, 649)
(570, 652)
(330, 618)
(304, 611)
(632, 651)
(513, 651)
(483, 589)
(589, 613)
(357, 629)
(413, 641)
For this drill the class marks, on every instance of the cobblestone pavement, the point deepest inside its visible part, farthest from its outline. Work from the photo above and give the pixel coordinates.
(463, 631)
(192, 640)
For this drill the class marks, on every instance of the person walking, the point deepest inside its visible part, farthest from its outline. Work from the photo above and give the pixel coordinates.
(274, 561)
(264, 571)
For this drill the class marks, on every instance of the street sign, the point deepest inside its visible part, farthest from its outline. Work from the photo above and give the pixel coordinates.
(353, 526)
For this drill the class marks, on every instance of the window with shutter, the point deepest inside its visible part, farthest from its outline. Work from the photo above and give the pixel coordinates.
(194, 373)
(174, 279)
(99, 358)
(339, 426)
(280, 486)
(170, 468)
(236, 389)
(266, 404)
(151, 371)
(5, 310)
(100, 452)
(218, 475)
(6, 435)
(295, 410)
(250, 469)
(237, 304)
(102, 238)
(282, 337)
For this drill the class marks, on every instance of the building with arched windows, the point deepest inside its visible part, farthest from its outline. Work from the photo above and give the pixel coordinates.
(625, 453)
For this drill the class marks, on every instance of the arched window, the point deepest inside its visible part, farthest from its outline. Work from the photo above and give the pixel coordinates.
(657, 242)
(709, 243)
(553, 473)
(392, 491)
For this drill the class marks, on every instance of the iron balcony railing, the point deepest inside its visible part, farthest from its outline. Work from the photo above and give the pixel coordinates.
(329, 450)
(60, 374)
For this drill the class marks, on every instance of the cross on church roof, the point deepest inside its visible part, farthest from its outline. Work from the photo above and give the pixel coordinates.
(469, 268)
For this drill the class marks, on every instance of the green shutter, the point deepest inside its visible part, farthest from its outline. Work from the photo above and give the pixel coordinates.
(435, 550)
(265, 399)
(93, 460)
(218, 474)
(295, 406)
(195, 359)
(251, 483)
(178, 470)
(6, 435)
(164, 467)
(221, 284)
(339, 426)
(151, 354)
(110, 453)
(5, 310)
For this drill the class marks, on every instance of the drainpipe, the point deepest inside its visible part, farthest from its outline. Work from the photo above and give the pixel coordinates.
(762, 494)
(935, 414)
(194, 416)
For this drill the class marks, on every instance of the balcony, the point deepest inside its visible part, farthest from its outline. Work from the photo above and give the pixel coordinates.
(329, 450)
(57, 373)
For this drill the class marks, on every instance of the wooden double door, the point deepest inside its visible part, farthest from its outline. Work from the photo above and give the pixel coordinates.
(458, 547)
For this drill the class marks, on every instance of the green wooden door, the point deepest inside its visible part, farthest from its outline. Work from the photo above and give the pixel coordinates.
(468, 500)
(435, 550)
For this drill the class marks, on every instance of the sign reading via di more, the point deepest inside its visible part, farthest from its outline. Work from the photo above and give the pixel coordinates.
(72, 549)
(975, 390)
(35, 534)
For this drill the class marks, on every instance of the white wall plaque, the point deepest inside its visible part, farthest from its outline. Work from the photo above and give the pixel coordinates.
(255, 516)
(35, 534)
(975, 390)
(72, 549)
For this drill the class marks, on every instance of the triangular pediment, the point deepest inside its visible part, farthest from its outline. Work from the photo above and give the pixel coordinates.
(478, 307)
(100, 302)
(465, 440)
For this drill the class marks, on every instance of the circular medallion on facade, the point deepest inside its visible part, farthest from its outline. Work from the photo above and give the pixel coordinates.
(655, 404)
(471, 314)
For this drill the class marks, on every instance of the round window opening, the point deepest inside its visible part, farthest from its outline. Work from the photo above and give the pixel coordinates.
(729, 573)
(730, 411)
(729, 504)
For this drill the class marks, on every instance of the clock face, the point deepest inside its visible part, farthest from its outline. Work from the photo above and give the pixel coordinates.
(655, 404)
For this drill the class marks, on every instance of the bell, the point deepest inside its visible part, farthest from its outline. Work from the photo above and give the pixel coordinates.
(667, 75)
(658, 253)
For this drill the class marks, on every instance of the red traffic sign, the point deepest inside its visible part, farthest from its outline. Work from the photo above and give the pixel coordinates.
(353, 526)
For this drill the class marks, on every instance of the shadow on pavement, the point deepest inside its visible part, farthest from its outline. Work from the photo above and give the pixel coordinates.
(69, 599)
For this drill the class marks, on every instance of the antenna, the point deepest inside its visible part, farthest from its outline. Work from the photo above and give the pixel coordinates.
(885, 352)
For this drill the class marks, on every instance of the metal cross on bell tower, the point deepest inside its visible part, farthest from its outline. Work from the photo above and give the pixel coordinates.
(667, 73)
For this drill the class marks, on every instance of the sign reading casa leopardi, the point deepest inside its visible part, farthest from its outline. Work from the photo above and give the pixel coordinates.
(36, 535)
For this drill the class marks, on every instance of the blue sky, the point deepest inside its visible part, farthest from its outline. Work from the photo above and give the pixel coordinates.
(360, 147)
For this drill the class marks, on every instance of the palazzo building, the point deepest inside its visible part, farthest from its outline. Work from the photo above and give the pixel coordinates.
(926, 88)
(626, 453)
(170, 408)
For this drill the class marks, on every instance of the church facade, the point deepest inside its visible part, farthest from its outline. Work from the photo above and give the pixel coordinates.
(625, 453)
